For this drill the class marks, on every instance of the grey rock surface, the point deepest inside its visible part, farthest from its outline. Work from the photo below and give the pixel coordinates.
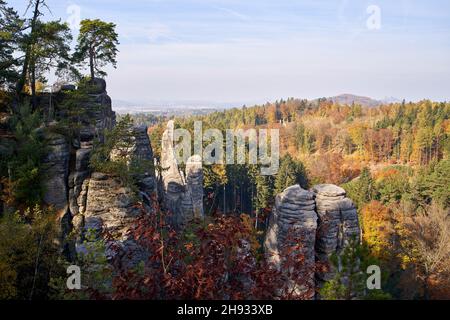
(338, 225)
(56, 171)
(183, 197)
(323, 220)
(194, 179)
(293, 219)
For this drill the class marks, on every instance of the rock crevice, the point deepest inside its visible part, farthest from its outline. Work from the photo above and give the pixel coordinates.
(323, 219)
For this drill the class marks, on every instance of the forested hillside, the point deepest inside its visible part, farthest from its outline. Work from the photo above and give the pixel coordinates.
(98, 207)
(392, 160)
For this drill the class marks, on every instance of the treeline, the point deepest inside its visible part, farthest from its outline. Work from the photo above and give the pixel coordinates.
(322, 134)
(404, 132)
(392, 160)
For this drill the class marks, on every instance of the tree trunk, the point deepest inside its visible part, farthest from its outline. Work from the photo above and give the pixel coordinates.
(23, 76)
(33, 87)
(91, 63)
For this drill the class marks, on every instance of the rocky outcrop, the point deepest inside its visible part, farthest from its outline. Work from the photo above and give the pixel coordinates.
(111, 209)
(140, 151)
(97, 116)
(94, 115)
(56, 171)
(338, 225)
(182, 198)
(106, 205)
(324, 220)
(293, 219)
(109, 206)
(86, 200)
(194, 179)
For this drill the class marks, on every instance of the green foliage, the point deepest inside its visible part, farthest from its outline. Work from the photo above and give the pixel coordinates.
(96, 272)
(393, 184)
(304, 138)
(432, 183)
(361, 190)
(263, 189)
(10, 25)
(29, 254)
(45, 47)
(97, 41)
(72, 115)
(350, 279)
(291, 172)
(50, 49)
(24, 168)
(112, 154)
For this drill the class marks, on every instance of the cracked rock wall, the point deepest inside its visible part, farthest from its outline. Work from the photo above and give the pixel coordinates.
(324, 220)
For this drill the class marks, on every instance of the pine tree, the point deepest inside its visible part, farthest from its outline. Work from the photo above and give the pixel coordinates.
(290, 173)
(10, 31)
(362, 190)
(50, 50)
(98, 43)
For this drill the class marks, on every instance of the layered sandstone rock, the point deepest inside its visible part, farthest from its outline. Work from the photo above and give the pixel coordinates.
(172, 181)
(140, 152)
(338, 225)
(183, 197)
(65, 181)
(56, 171)
(103, 202)
(109, 206)
(323, 220)
(293, 219)
(110, 209)
(94, 201)
(105, 205)
(194, 180)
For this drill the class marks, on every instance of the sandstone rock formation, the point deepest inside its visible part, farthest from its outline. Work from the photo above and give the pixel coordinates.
(194, 179)
(183, 198)
(106, 205)
(140, 151)
(56, 165)
(94, 201)
(338, 224)
(293, 219)
(109, 205)
(323, 220)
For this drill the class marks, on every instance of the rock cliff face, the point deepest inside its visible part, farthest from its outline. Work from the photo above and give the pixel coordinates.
(293, 219)
(182, 197)
(194, 179)
(323, 219)
(109, 205)
(338, 224)
(92, 200)
(56, 163)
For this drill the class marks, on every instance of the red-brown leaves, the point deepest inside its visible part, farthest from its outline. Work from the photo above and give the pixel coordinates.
(211, 261)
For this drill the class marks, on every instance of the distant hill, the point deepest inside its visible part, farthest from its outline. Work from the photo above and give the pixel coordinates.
(350, 99)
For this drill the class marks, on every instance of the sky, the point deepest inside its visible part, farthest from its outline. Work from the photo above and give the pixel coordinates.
(253, 51)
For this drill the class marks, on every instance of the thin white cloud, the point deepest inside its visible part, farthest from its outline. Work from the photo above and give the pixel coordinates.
(234, 13)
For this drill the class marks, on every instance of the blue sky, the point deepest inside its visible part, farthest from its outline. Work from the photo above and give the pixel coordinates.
(251, 51)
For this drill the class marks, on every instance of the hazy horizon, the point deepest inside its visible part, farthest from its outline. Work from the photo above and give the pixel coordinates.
(245, 52)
